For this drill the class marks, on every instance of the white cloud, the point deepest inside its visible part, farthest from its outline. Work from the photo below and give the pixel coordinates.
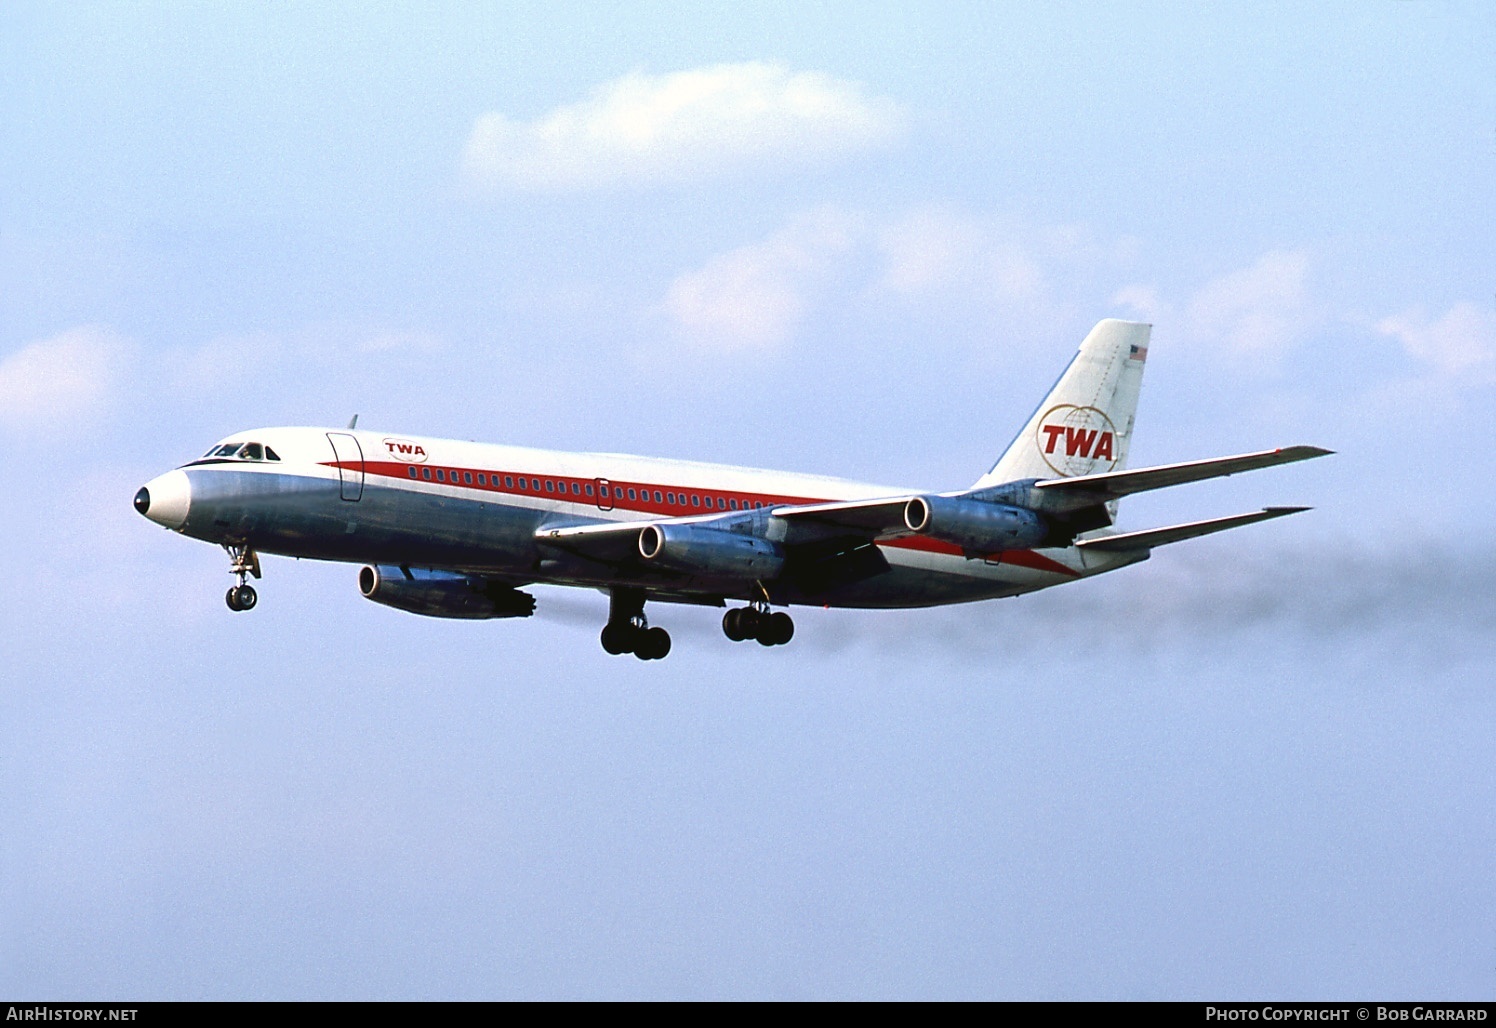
(1255, 311)
(648, 129)
(69, 379)
(1462, 343)
(928, 250)
(1143, 301)
(753, 297)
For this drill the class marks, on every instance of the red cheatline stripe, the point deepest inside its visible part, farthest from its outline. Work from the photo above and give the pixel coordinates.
(647, 505)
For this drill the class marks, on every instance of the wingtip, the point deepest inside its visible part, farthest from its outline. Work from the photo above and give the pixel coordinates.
(1278, 512)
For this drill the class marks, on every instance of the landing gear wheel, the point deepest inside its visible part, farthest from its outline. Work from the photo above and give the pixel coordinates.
(653, 644)
(732, 624)
(245, 563)
(742, 623)
(618, 639)
(750, 622)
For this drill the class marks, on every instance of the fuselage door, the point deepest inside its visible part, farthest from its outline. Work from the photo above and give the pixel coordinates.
(604, 494)
(350, 458)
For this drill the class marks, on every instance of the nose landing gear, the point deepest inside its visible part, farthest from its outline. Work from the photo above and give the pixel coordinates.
(628, 631)
(246, 562)
(755, 621)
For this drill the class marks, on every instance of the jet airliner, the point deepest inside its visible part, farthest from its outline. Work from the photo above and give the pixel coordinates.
(457, 529)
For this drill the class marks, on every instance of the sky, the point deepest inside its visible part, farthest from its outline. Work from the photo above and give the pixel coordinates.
(849, 239)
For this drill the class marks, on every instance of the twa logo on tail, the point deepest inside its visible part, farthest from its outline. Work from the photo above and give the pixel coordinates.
(404, 449)
(1077, 440)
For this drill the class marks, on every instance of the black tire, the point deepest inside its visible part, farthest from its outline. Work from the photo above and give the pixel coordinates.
(654, 643)
(781, 628)
(232, 598)
(750, 623)
(732, 624)
(618, 639)
(247, 597)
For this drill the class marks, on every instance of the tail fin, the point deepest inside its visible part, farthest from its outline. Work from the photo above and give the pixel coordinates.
(1084, 425)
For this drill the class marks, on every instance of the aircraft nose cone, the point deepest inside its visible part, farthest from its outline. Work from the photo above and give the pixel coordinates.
(166, 499)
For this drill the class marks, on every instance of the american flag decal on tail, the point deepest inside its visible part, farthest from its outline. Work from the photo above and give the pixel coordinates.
(1137, 353)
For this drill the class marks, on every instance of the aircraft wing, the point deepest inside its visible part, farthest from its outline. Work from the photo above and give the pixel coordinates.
(1112, 485)
(616, 541)
(1129, 542)
(872, 519)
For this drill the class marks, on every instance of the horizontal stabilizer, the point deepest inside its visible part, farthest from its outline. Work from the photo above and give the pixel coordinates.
(1113, 485)
(1130, 542)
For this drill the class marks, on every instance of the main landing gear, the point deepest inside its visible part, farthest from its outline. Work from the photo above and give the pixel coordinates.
(246, 563)
(628, 631)
(756, 622)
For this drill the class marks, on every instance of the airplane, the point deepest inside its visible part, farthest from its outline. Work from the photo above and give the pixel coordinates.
(457, 529)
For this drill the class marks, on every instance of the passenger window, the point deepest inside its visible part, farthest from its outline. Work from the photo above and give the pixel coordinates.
(658, 498)
(733, 504)
(550, 486)
(695, 500)
(508, 482)
(412, 471)
(589, 490)
(271, 454)
(441, 476)
(576, 490)
(467, 478)
(426, 474)
(482, 480)
(631, 494)
(670, 498)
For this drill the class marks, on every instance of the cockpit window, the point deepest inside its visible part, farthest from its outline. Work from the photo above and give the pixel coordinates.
(252, 451)
(271, 454)
(226, 450)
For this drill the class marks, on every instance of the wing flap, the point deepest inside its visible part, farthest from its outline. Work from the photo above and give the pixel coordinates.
(875, 519)
(1113, 485)
(1129, 542)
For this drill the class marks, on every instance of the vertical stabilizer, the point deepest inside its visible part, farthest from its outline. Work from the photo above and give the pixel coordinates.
(1084, 425)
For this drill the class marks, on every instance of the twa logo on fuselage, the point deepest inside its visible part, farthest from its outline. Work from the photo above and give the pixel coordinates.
(404, 449)
(1077, 440)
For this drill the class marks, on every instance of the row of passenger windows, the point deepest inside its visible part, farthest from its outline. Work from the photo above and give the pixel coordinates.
(244, 451)
(615, 493)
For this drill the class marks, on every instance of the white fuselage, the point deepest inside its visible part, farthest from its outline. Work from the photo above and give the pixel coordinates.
(372, 498)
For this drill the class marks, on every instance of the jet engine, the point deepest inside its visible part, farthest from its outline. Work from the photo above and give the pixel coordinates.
(710, 552)
(443, 594)
(974, 525)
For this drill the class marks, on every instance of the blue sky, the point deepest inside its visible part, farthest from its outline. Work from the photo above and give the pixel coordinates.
(856, 240)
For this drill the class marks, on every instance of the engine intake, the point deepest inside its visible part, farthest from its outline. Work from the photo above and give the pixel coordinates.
(710, 552)
(443, 594)
(975, 526)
